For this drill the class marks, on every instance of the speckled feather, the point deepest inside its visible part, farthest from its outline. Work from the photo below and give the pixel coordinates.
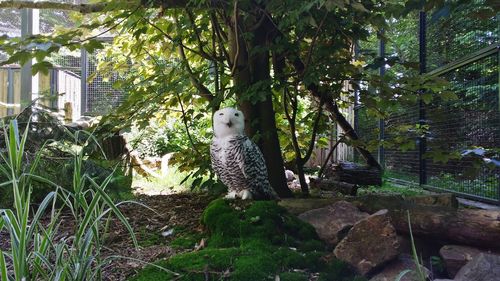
(238, 162)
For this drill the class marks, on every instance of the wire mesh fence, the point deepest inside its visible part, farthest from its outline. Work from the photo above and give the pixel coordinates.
(462, 47)
(74, 78)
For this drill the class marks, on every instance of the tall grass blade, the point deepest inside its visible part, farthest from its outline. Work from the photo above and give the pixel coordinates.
(3, 267)
(418, 263)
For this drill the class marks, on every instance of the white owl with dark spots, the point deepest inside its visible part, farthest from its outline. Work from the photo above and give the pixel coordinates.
(236, 160)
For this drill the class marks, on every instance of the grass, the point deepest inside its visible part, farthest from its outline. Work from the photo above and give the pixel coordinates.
(487, 188)
(389, 187)
(35, 254)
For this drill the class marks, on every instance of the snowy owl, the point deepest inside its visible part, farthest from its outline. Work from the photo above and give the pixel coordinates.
(236, 160)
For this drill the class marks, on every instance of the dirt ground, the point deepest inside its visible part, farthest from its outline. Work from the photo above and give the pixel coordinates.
(171, 213)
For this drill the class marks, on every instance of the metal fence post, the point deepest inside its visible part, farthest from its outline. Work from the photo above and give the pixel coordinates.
(381, 122)
(422, 141)
(83, 91)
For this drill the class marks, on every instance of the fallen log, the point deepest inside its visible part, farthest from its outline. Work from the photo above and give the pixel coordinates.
(431, 216)
(333, 185)
(354, 174)
(472, 227)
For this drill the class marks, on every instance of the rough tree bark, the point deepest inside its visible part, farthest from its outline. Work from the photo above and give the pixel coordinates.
(252, 69)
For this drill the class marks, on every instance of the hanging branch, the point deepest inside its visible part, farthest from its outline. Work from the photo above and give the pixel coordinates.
(81, 8)
(314, 132)
(186, 125)
(204, 91)
(176, 42)
(198, 36)
(220, 36)
(237, 53)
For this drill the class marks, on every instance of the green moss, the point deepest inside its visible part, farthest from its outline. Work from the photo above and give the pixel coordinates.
(339, 271)
(253, 242)
(254, 266)
(293, 276)
(186, 240)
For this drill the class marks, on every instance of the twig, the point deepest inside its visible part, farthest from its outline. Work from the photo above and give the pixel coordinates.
(186, 126)
(330, 153)
(236, 35)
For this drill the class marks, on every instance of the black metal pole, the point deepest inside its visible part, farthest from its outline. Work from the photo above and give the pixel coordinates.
(356, 105)
(422, 141)
(381, 122)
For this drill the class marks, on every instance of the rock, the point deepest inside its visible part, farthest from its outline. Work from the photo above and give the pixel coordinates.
(455, 257)
(371, 243)
(394, 268)
(333, 222)
(289, 175)
(484, 267)
(299, 206)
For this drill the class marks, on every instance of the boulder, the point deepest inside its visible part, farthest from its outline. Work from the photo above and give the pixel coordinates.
(484, 267)
(371, 243)
(334, 221)
(391, 271)
(456, 256)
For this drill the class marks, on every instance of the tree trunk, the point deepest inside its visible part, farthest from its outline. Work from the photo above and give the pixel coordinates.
(250, 70)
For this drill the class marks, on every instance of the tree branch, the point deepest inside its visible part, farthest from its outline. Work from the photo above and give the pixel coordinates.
(198, 36)
(204, 91)
(314, 133)
(81, 8)
(102, 6)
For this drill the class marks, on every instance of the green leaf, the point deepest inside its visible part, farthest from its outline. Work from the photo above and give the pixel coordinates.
(42, 67)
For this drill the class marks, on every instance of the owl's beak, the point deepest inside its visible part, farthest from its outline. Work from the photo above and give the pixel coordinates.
(229, 124)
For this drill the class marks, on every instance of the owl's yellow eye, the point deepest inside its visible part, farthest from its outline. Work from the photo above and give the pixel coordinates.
(221, 114)
(236, 114)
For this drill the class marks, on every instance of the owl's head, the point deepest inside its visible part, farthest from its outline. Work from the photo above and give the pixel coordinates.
(228, 121)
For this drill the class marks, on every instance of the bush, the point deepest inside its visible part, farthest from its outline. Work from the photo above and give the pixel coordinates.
(35, 253)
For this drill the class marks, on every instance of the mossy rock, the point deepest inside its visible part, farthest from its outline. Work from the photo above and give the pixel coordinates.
(252, 241)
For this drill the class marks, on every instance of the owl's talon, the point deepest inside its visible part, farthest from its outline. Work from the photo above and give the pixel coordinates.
(245, 195)
(231, 195)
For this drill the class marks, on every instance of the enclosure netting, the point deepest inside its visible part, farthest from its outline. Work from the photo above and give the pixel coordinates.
(462, 47)
(99, 95)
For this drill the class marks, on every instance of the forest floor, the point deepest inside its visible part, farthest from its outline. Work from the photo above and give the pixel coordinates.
(173, 215)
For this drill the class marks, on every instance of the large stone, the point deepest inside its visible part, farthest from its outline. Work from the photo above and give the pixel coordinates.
(371, 243)
(333, 222)
(299, 206)
(392, 270)
(456, 256)
(484, 267)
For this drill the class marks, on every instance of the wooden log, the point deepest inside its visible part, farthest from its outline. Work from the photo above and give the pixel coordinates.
(354, 174)
(432, 216)
(333, 185)
(480, 228)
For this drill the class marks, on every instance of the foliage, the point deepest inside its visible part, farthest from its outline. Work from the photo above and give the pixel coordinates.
(253, 241)
(56, 146)
(181, 62)
(35, 253)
